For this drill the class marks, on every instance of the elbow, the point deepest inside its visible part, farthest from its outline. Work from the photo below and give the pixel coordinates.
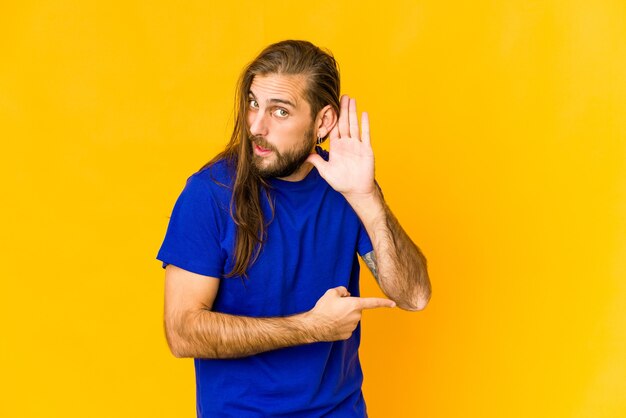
(184, 342)
(414, 306)
(180, 349)
(418, 295)
(175, 341)
(178, 352)
(418, 305)
(176, 346)
(417, 302)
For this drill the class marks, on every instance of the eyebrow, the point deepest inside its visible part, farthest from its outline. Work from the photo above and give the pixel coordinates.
(282, 101)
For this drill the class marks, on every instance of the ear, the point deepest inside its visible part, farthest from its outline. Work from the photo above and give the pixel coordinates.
(325, 121)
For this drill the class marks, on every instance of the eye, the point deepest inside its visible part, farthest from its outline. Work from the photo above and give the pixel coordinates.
(281, 113)
(253, 103)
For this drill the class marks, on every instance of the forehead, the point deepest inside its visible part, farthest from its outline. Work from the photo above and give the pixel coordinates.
(280, 87)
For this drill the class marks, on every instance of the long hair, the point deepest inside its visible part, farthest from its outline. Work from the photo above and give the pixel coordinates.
(290, 57)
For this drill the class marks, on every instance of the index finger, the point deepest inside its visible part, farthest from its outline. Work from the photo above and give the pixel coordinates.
(371, 303)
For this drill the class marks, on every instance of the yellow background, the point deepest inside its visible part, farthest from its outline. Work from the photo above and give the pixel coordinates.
(499, 130)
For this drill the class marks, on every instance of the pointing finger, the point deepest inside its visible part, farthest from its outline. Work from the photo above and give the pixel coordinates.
(371, 303)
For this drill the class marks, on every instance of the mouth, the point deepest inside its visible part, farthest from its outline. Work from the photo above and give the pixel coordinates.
(258, 150)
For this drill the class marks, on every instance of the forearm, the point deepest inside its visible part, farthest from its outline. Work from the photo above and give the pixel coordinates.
(207, 334)
(399, 266)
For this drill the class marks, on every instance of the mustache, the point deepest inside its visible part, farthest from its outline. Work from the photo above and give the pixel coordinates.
(260, 141)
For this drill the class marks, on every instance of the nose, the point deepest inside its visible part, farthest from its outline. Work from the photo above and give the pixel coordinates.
(258, 125)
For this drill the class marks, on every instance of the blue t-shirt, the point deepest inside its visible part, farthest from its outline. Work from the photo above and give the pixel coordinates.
(312, 245)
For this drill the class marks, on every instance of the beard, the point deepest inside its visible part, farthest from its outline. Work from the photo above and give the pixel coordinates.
(284, 164)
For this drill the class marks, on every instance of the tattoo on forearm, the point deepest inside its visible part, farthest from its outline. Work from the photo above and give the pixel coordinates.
(400, 268)
(406, 274)
(370, 261)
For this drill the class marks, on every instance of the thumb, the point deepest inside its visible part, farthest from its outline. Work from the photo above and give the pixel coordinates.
(371, 303)
(317, 161)
(341, 291)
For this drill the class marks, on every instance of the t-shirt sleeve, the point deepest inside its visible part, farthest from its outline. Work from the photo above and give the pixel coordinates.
(192, 240)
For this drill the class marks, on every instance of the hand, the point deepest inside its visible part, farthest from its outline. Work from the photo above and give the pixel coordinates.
(350, 166)
(336, 314)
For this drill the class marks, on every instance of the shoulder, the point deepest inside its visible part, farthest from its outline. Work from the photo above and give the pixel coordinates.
(209, 186)
(220, 173)
(216, 179)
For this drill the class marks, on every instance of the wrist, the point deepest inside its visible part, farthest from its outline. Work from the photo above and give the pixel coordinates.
(308, 325)
(368, 206)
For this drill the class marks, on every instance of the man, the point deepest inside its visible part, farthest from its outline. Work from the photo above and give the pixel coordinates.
(262, 275)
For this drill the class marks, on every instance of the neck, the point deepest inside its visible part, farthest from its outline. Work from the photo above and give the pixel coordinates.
(299, 174)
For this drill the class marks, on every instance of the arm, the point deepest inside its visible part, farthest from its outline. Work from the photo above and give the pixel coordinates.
(397, 263)
(193, 330)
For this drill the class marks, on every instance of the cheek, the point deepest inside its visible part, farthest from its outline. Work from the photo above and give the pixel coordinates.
(290, 136)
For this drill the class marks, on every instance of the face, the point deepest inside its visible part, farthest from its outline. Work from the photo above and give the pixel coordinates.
(282, 133)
